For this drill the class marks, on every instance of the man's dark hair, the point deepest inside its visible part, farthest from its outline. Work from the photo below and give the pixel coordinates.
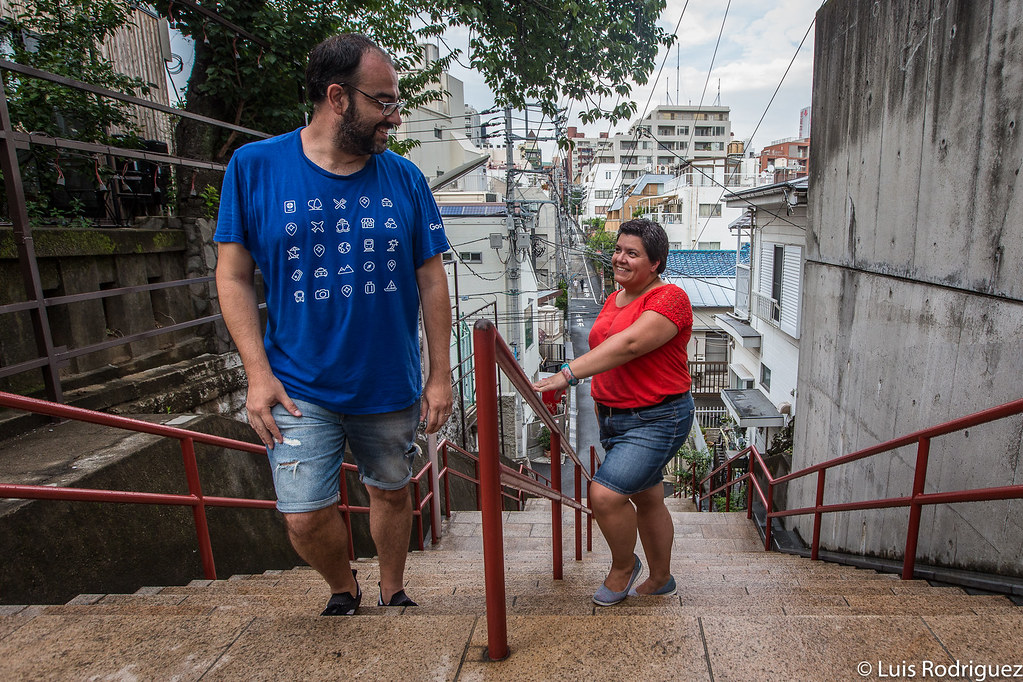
(653, 236)
(336, 60)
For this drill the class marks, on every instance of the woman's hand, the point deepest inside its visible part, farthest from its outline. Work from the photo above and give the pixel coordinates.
(551, 383)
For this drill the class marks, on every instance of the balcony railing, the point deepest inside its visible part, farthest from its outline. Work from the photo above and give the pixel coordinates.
(766, 308)
(708, 377)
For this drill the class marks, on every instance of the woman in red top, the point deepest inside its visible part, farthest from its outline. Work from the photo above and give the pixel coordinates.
(640, 389)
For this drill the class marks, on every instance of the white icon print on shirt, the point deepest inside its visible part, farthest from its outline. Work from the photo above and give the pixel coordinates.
(368, 223)
(364, 202)
(319, 250)
(321, 294)
(386, 203)
(391, 265)
(320, 272)
(291, 228)
(390, 286)
(367, 245)
(293, 253)
(345, 270)
(297, 275)
(344, 247)
(371, 288)
(339, 204)
(315, 205)
(299, 297)
(436, 226)
(290, 206)
(346, 290)
(369, 266)
(342, 226)
(392, 245)
(317, 226)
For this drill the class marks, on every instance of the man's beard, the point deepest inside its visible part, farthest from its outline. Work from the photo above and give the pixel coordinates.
(356, 136)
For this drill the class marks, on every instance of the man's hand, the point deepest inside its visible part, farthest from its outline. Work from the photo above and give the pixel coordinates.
(263, 394)
(436, 404)
(551, 383)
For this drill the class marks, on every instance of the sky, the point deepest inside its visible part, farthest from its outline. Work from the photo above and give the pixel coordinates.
(758, 42)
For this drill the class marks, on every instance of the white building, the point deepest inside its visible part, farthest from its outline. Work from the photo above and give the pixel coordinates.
(765, 324)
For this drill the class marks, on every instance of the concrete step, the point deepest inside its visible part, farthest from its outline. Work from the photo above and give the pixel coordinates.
(739, 614)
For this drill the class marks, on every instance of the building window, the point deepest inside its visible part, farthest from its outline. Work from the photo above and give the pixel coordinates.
(776, 278)
(628, 144)
(447, 256)
(528, 336)
(765, 376)
(602, 194)
(708, 246)
(438, 133)
(470, 256)
(710, 210)
(665, 130)
(607, 175)
(683, 130)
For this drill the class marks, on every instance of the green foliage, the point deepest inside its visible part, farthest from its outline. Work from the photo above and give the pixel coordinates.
(64, 37)
(210, 196)
(526, 52)
(561, 302)
(594, 225)
(600, 244)
(566, 49)
(737, 499)
(543, 438)
(687, 457)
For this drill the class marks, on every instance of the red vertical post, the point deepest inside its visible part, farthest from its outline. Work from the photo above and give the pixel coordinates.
(767, 516)
(913, 531)
(589, 503)
(578, 513)
(815, 545)
(694, 487)
(728, 488)
(484, 339)
(202, 529)
(447, 479)
(345, 514)
(750, 461)
(556, 541)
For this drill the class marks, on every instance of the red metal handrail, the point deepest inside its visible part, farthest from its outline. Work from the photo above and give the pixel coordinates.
(491, 353)
(195, 499)
(916, 500)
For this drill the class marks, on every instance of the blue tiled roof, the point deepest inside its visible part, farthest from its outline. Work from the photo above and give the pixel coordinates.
(744, 253)
(701, 263)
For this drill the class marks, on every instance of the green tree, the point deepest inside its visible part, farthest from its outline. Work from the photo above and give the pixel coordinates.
(600, 244)
(526, 52)
(64, 37)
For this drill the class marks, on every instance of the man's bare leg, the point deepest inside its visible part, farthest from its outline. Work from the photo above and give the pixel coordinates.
(390, 524)
(321, 539)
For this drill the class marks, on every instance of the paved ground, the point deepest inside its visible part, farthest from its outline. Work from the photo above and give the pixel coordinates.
(740, 614)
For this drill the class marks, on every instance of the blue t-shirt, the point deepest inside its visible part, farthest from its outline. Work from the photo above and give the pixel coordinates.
(339, 255)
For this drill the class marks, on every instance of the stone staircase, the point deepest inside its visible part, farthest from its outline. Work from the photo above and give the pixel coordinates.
(740, 614)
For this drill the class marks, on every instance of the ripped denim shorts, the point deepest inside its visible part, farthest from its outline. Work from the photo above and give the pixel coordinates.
(306, 467)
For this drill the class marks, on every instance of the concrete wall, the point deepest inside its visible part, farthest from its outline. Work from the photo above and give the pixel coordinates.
(76, 261)
(913, 305)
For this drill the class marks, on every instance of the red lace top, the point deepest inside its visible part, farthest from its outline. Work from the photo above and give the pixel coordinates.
(650, 378)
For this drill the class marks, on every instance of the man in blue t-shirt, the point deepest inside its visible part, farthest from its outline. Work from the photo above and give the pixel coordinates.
(348, 240)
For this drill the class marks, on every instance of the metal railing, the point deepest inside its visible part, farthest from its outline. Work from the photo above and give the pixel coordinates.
(195, 498)
(915, 501)
(51, 358)
(491, 353)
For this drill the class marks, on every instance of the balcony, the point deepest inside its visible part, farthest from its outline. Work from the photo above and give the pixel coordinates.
(709, 378)
(766, 308)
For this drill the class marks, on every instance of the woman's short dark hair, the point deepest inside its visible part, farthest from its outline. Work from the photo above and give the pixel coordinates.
(653, 236)
(336, 60)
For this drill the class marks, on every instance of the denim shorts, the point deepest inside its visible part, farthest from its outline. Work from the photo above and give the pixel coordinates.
(307, 465)
(639, 442)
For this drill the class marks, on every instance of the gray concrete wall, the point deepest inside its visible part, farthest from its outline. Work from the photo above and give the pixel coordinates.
(913, 305)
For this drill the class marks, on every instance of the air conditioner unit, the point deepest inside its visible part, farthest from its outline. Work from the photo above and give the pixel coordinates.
(663, 169)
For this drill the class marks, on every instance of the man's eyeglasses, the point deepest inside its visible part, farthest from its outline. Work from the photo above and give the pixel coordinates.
(388, 108)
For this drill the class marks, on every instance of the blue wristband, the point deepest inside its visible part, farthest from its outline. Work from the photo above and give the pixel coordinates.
(569, 375)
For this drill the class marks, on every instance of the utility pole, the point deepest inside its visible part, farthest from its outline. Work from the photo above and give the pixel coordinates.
(512, 269)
